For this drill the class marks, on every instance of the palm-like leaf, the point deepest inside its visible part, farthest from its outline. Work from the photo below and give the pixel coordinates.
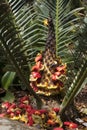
(2, 57)
(13, 44)
(75, 86)
(10, 37)
(65, 23)
(23, 18)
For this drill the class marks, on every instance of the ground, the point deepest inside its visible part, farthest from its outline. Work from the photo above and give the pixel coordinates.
(76, 113)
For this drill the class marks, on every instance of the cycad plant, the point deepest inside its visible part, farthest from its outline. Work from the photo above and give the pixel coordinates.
(23, 35)
(10, 38)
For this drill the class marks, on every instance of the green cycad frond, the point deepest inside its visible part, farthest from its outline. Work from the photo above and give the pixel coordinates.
(16, 5)
(13, 45)
(65, 22)
(30, 20)
(10, 38)
(24, 16)
(75, 86)
(32, 28)
(2, 57)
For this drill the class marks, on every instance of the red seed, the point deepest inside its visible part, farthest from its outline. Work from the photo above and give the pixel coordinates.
(2, 115)
(6, 105)
(35, 68)
(28, 110)
(56, 109)
(35, 88)
(67, 123)
(60, 68)
(30, 121)
(39, 112)
(18, 112)
(13, 105)
(58, 128)
(51, 122)
(22, 105)
(38, 58)
(54, 77)
(62, 71)
(24, 98)
(57, 73)
(27, 106)
(39, 64)
(36, 75)
(10, 110)
(12, 114)
(31, 112)
(42, 111)
(73, 125)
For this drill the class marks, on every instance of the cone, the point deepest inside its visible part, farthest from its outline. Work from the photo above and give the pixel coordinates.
(51, 80)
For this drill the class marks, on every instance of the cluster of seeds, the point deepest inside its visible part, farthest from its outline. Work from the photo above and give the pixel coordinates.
(46, 81)
(24, 112)
(35, 72)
